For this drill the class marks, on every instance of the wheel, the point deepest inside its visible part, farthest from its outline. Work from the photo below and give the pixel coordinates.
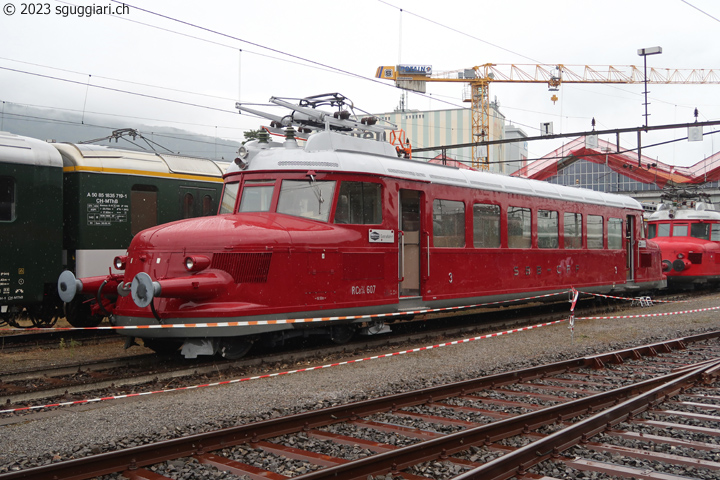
(341, 334)
(235, 347)
(42, 316)
(77, 313)
(162, 346)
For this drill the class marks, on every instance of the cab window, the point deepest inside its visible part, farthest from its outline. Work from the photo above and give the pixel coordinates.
(359, 203)
(256, 196)
(306, 198)
(658, 230)
(680, 230)
(227, 205)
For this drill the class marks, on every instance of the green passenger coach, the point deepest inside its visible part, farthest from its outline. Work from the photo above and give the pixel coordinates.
(76, 207)
(31, 187)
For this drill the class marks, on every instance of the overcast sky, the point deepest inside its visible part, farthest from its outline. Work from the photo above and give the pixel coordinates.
(186, 63)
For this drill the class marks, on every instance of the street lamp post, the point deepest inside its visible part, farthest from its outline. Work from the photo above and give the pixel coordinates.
(644, 52)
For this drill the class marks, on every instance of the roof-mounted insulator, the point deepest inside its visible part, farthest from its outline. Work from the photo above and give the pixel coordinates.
(263, 136)
(290, 141)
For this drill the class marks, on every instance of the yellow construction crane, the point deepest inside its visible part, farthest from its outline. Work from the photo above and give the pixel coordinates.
(479, 78)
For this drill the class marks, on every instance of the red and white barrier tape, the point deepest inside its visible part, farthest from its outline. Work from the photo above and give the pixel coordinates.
(665, 314)
(270, 375)
(387, 355)
(288, 321)
(633, 299)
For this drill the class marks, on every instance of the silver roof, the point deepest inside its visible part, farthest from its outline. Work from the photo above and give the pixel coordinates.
(27, 151)
(331, 151)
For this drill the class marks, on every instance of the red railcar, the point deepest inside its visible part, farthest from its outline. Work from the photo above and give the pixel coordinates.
(342, 226)
(688, 234)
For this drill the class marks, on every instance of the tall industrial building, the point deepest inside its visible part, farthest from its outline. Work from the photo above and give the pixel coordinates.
(440, 128)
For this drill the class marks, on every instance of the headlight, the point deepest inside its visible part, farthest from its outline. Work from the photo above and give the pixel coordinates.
(680, 256)
(120, 262)
(195, 263)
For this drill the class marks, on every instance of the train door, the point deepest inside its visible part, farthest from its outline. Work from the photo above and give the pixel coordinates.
(410, 242)
(630, 246)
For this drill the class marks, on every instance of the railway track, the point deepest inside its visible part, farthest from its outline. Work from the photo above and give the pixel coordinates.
(114, 376)
(648, 412)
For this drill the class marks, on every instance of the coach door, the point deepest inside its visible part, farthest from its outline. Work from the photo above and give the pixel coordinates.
(630, 246)
(410, 242)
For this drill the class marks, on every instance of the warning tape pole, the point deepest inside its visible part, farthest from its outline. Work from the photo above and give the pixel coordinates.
(571, 326)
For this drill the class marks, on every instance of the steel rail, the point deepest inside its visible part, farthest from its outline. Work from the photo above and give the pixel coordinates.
(517, 462)
(199, 444)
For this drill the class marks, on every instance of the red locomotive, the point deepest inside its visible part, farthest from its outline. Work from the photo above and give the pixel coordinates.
(688, 234)
(342, 226)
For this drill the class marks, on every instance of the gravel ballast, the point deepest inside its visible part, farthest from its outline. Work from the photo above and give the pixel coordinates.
(73, 432)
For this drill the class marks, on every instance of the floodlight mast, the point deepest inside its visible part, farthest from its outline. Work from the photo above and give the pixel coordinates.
(644, 52)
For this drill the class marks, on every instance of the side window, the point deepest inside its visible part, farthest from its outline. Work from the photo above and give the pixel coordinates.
(652, 230)
(143, 207)
(715, 232)
(548, 229)
(572, 229)
(207, 206)
(594, 231)
(486, 226)
(227, 205)
(615, 233)
(519, 227)
(7, 199)
(188, 203)
(359, 203)
(306, 198)
(448, 223)
(700, 230)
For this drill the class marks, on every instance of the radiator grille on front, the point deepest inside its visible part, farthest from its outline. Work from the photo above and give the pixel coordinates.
(695, 258)
(244, 267)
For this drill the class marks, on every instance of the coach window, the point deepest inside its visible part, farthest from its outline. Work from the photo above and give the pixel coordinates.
(680, 230)
(594, 231)
(615, 233)
(306, 198)
(548, 229)
(207, 206)
(519, 227)
(7, 199)
(486, 226)
(448, 223)
(143, 207)
(359, 203)
(572, 229)
(188, 202)
(256, 196)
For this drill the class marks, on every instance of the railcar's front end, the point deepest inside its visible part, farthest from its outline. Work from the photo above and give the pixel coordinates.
(689, 239)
